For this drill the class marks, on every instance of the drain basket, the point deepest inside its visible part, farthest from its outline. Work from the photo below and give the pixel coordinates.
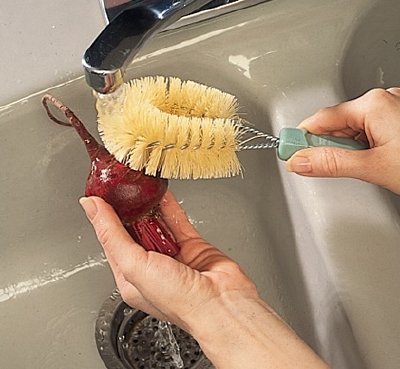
(126, 338)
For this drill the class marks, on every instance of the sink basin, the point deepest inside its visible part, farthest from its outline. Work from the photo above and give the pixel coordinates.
(372, 58)
(324, 253)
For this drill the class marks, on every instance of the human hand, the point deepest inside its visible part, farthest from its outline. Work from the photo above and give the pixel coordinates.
(166, 288)
(202, 291)
(374, 117)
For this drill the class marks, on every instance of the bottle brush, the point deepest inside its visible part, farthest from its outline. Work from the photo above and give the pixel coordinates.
(185, 130)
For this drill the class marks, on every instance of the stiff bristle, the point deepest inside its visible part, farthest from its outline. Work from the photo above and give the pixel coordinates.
(171, 128)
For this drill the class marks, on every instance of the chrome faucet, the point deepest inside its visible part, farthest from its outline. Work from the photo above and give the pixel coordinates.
(130, 24)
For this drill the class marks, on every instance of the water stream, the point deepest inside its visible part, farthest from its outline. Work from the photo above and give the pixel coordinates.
(167, 344)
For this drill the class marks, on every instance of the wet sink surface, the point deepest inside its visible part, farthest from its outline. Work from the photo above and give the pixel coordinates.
(54, 276)
(316, 259)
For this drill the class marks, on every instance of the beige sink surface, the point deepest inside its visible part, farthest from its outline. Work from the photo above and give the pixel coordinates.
(324, 253)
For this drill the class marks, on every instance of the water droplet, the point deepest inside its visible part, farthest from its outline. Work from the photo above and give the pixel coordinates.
(127, 311)
(102, 334)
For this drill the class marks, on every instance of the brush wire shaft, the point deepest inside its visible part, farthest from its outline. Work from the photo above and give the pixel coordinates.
(171, 128)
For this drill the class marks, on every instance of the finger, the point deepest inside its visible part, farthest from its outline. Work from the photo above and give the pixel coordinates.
(394, 91)
(130, 294)
(128, 256)
(119, 278)
(349, 117)
(135, 299)
(343, 118)
(156, 277)
(119, 249)
(195, 252)
(334, 162)
(130, 259)
(176, 219)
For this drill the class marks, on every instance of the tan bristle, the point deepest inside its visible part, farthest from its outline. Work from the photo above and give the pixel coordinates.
(172, 128)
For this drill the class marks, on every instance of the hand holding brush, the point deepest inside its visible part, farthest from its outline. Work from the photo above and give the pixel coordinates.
(375, 116)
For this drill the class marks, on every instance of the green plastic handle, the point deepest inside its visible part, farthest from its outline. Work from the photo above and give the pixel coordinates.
(295, 139)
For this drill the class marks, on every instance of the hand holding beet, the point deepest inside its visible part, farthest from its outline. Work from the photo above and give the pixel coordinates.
(202, 291)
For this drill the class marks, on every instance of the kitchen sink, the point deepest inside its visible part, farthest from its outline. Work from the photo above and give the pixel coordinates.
(323, 252)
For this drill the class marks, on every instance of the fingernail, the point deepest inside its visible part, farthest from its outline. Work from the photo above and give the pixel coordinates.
(89, 206)
(299, 164)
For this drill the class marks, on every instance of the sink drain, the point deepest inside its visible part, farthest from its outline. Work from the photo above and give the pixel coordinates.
(128, 338)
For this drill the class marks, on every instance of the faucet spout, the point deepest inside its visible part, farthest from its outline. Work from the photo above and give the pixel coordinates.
(131, 25)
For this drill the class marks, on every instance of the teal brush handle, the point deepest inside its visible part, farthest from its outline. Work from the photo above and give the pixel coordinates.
(295, 139)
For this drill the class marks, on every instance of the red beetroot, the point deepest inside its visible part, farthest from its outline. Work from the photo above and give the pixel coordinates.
(133, 195)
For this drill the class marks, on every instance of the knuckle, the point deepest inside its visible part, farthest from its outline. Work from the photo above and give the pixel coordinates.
(394, 91)
(124, 292)
(377, 95)
(104, 235)
(323, 111)
(330, 162)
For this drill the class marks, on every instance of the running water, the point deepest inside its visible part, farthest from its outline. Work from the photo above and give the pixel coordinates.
(167, 344)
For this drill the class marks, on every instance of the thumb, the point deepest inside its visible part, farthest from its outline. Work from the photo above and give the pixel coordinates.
(123, 253)
(332, 162)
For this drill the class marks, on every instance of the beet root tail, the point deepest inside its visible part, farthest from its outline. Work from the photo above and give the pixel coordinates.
(73, 121)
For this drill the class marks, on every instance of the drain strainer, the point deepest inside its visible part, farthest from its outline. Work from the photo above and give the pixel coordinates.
(128, 338)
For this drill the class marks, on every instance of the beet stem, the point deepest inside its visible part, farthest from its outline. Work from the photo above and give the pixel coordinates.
(92, 146)
(153, 234)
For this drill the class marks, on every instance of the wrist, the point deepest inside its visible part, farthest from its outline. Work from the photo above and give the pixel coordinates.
(237, 331)
(218, 315)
